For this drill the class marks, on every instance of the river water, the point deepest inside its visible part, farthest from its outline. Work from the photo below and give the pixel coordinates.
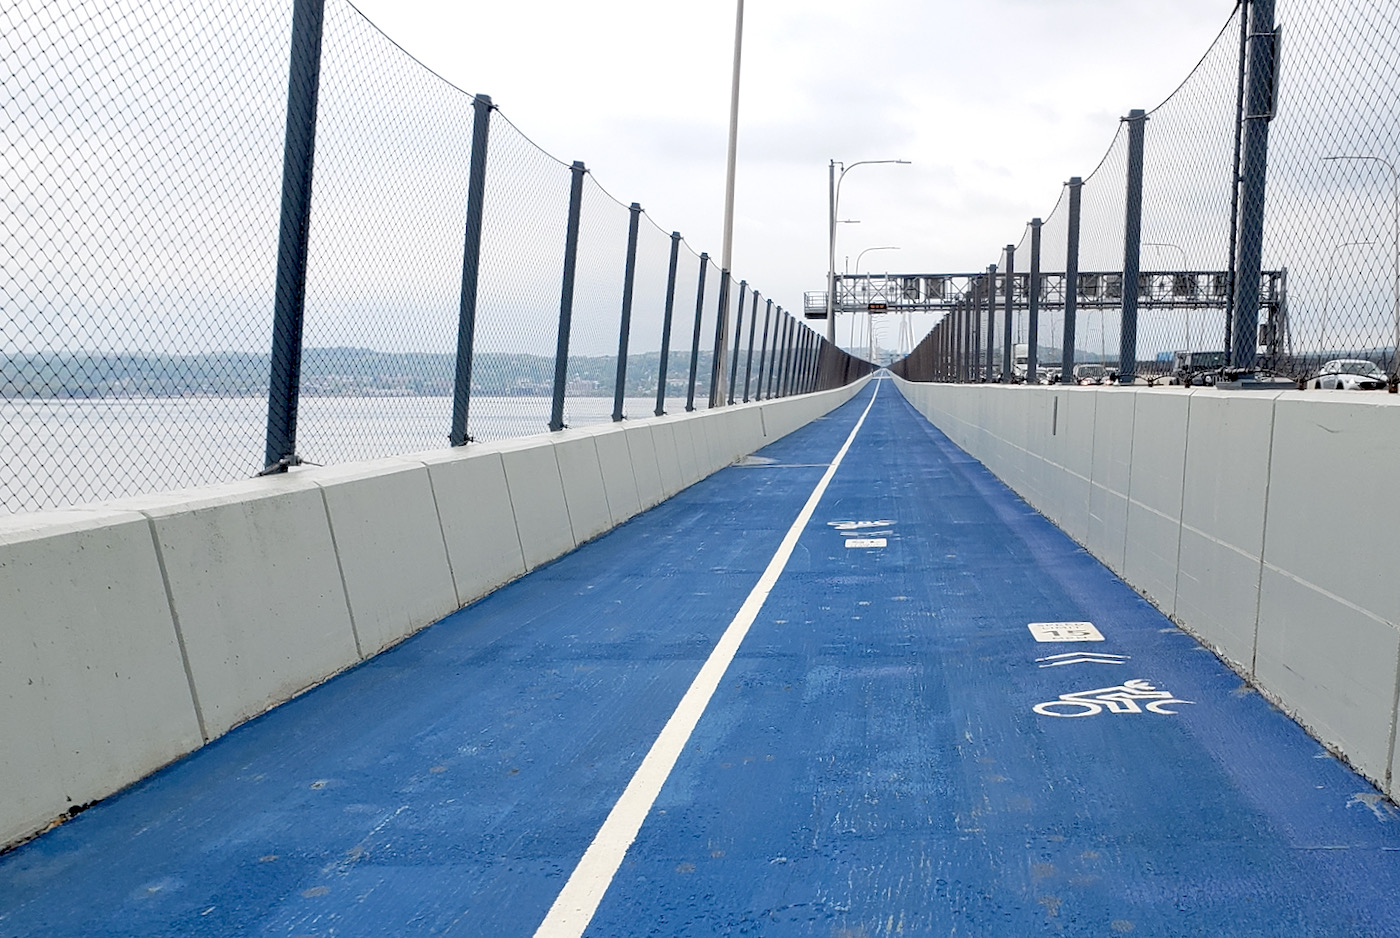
(70, 452)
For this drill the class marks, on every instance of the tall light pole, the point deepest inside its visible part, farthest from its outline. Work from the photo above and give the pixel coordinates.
(834, 201)
(727, 246)
(888, 247)
(1395, 250)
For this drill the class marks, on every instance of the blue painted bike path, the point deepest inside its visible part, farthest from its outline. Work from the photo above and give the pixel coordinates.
(872, 762)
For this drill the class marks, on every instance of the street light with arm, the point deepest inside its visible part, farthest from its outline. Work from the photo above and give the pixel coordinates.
(1395, 200)
(888, 247)
(834, 199)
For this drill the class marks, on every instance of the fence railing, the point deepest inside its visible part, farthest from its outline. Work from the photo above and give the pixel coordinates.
(1267, 187)
(263, 234)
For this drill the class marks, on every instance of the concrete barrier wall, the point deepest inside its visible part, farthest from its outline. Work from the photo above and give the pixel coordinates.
(135, 631)
(1261, 522)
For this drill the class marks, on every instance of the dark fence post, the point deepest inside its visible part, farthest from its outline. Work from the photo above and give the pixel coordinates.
(945, 348)
(784, 355)
(799, 379)
(775, 371)
(738, 332)
(753, 326)
(991, 320)
(795, 368)
(1006, 373)
(763, 349)
(1033, 308)
(955, 341)
(950, 338)
(1243, 58)
(695, 339)
(1254, 166)
(1076, 186)
(471, 258)
(717, 357)
(974, 364)
(629, 276)
(1132, 249)
(666, 325)
(776, 361)
(784, 377)
(970, 317)
(794, 349)
(289, 303)
(566, 295)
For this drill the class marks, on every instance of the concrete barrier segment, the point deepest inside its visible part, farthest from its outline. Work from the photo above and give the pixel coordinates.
(691, 448)
(646, 467)
(1157, 481)
(1111, 481)
(93, 688)
(388, 539)
(619, 475)
(1332, 666)
(477, 518)
(668, 461)
(256, 591)
(1329, 605)
(1228, 446)
(537, 498)
(585, 495)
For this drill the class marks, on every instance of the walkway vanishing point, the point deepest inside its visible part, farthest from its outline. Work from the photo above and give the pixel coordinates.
(800, 698)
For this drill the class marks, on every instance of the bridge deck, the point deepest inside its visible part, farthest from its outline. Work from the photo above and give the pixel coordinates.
(870, 762)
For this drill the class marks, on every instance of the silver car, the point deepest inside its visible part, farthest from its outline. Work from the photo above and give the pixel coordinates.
(1350, 374)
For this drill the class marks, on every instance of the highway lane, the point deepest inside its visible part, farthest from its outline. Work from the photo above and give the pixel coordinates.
(891, 751)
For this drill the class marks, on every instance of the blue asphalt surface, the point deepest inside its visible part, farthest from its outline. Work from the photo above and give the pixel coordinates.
(870, 765)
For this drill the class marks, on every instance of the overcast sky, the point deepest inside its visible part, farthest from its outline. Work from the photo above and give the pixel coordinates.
(995, 102)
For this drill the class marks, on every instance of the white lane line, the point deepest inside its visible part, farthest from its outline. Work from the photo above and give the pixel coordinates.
(574, 908)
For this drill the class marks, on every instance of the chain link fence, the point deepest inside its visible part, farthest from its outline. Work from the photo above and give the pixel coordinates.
(266, 234)
(1261, 225)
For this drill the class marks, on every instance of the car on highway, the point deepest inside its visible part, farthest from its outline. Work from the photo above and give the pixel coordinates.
(1089, 374)
(1350, 374)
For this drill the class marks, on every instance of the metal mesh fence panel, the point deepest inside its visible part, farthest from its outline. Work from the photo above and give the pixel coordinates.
(383, 283)
(522, 250)
(141, 184)
(748, 349)
(1054, 232)
(705, 355)
(1100, 251)
(648, 319)
(263, 235)
(682, 327)
(597, 310)
(1189, 159)
(1280, 158)
(1332, 215)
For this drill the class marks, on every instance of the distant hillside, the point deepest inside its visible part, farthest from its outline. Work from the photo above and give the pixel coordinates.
(348, 372)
